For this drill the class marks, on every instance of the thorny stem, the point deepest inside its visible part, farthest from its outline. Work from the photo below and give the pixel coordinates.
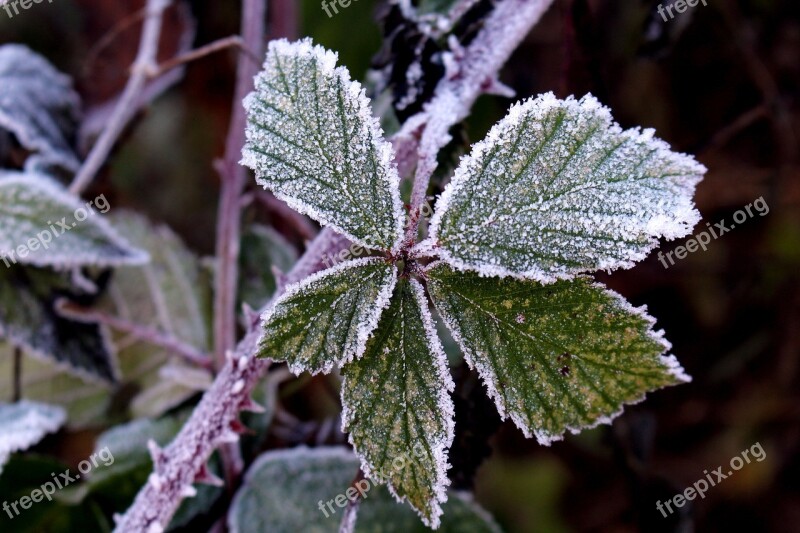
(177, 467)
(143, 67)
(234, 177)
(474, 73)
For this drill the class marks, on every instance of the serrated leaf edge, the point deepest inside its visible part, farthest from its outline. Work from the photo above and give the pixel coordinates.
(670, 362)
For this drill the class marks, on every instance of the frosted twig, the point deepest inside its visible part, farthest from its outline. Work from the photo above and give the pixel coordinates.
(209, 426)
(141, 70)
(473, 72)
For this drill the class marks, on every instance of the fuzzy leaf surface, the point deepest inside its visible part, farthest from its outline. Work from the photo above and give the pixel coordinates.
(37, 215)
(325, 320)
(558, 188)
(558, 357)
(24, 423)
(397, 405)
(283, 488)
(312, 140)
(39, 107)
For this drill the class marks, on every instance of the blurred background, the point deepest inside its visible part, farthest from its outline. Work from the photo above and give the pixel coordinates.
(721, 81)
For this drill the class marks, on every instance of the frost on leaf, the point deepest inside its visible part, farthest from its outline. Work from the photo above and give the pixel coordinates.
(29, 319)
(312, 140)
(397, 406)
(325, 320)
(37, 106)
(24, 423)
(42, 226)
(557, 357)
(558, 188)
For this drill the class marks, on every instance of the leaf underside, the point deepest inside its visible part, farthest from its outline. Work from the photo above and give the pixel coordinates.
(397, 406)
(36, 214)
(312, 140)
(558, 188)
(29, 319)
(39, 107)
(24, 423)
(558, 357)
(325, 320)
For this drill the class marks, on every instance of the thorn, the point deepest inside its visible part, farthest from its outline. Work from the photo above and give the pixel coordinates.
(117, 518)
(238, 386)
(188, 491)
(228, 436)
(250, 314)
(155, 527)
(252, 406)
(207, 477)
(156, 454)
(240, 429)
(155, 480)
(280, 278)
(496, 87)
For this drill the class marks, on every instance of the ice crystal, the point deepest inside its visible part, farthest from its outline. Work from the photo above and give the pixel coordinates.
(24, 423)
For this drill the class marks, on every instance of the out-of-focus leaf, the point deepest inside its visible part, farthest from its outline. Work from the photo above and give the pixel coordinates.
(287, 491)
(24, 423)
(43, 225)
(39, 106)
(262, 249)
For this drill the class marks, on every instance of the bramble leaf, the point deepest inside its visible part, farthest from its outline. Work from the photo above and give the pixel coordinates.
(312, 140)
(397, 406)
(558, 188)
(296, 490)
(30, 319)
(39, 106)
(557, 357)
(45, 226)
(24, 423)
(325, 320)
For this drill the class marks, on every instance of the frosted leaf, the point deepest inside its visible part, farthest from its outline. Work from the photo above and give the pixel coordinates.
(397, 406)
(39, 106)
(25, 423)
(45, 226)
(558, 357)
(312, 140)
(296, 490)
(325, 320)
(558, 188)
(29, 319)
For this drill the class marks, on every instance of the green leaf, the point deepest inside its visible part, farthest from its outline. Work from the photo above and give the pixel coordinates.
(29, 319)
(397, 406)
(557, 357)
(45, 226)
(25, 423)
(325, 320)
(39, 106)
(312, 140)
(262, 249)
(289, 490)
(558, 188)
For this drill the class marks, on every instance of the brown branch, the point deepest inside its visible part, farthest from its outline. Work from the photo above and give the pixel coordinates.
(203, 51)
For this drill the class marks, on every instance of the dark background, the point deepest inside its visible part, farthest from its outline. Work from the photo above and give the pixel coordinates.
(721, 82)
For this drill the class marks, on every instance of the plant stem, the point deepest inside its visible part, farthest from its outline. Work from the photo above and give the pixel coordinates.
(17, 377)
(142, 68)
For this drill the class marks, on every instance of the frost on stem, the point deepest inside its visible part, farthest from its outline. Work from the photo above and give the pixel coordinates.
(557, 188)
(312, 140)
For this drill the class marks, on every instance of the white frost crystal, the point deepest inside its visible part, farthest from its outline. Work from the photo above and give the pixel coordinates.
(312, 140)
(24, 423)
(557, 188)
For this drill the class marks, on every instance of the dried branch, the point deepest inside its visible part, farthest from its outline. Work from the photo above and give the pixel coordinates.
(143, 67)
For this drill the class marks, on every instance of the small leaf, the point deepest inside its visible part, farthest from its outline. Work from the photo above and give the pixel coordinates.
(29, 319)
(397, 406)
(39, 106)
(558, 188)
(287, 491)
(45, 226)
(325, 320)
(557, 357)
(25, 423)
(312, 140)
